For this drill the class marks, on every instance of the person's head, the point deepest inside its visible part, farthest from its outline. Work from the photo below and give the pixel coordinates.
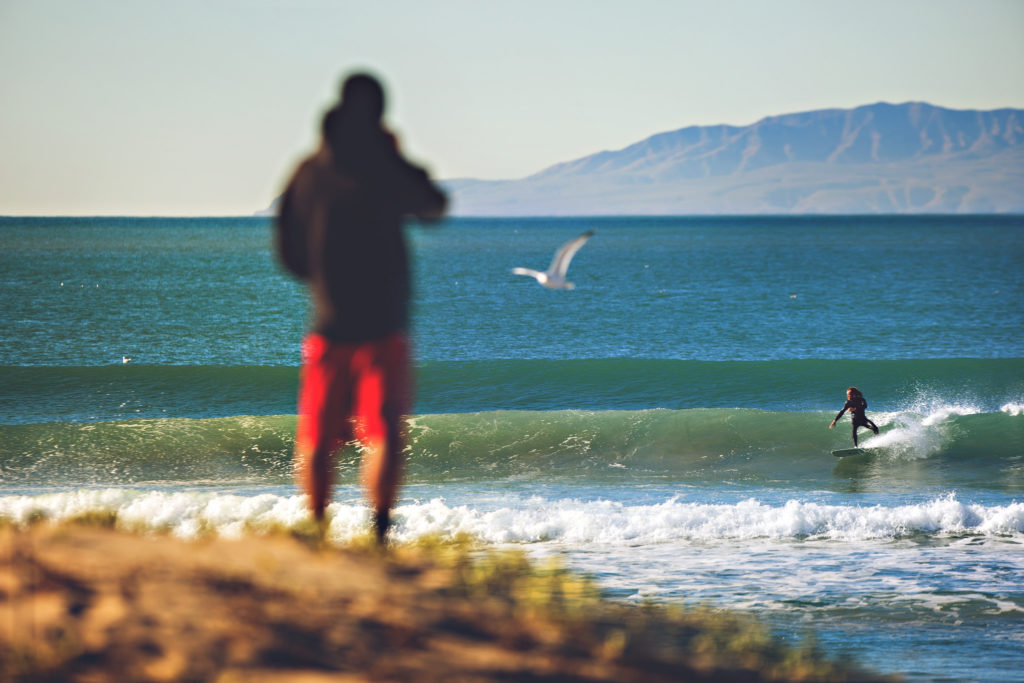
(852, 391)
(362, 97)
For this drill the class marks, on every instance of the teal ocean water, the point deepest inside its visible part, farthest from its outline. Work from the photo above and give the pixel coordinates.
(664, 426)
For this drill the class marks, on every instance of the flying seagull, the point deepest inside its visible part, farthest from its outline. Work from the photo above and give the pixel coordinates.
(554, 278)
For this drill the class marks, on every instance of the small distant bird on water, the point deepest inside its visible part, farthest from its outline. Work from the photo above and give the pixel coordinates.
(554, 278)
(126, 359)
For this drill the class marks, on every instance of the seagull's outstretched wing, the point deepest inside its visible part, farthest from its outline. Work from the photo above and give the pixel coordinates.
(540, 277)
(560, 264)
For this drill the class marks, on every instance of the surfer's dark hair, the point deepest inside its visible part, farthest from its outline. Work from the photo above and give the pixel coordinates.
(853, 390)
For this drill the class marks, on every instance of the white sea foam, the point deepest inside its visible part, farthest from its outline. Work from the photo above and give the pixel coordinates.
(1013, 408)
(570, 522)
(919, 430)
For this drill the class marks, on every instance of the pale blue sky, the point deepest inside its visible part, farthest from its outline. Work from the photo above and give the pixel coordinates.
(202, 107)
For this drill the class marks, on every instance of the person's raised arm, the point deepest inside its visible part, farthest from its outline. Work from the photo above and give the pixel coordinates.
(420, 196)
(409, 185)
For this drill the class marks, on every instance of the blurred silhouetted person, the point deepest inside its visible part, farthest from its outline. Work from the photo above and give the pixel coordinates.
(339, 228)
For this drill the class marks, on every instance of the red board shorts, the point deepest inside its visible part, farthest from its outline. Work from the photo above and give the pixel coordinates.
(351, 389)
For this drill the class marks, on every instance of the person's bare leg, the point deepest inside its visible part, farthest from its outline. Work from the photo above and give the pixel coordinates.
(381, 472)
(314, 474)
(383, 461)
(321, 427)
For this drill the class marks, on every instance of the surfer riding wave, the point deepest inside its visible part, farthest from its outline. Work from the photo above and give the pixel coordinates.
(856, 404)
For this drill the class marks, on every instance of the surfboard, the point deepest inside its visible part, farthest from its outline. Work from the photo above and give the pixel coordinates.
(843, 452)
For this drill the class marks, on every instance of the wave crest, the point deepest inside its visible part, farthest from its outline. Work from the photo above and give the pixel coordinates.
(530, 520)
(675, 445)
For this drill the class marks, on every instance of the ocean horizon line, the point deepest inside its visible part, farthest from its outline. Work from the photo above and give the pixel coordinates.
(537, 216)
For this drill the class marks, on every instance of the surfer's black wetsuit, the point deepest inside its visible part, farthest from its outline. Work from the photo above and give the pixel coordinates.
(857, 405)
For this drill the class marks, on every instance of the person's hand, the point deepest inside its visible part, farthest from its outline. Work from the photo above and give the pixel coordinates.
(832, 425)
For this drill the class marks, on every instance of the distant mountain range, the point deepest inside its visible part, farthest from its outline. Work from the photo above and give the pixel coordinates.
(880, 158)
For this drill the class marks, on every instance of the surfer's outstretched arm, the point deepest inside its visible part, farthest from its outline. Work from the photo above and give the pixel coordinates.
(837, 418)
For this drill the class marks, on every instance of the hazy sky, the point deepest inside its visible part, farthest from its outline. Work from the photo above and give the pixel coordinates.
(202, 107)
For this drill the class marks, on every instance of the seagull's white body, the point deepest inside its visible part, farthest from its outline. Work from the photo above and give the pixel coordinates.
(554, 277)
